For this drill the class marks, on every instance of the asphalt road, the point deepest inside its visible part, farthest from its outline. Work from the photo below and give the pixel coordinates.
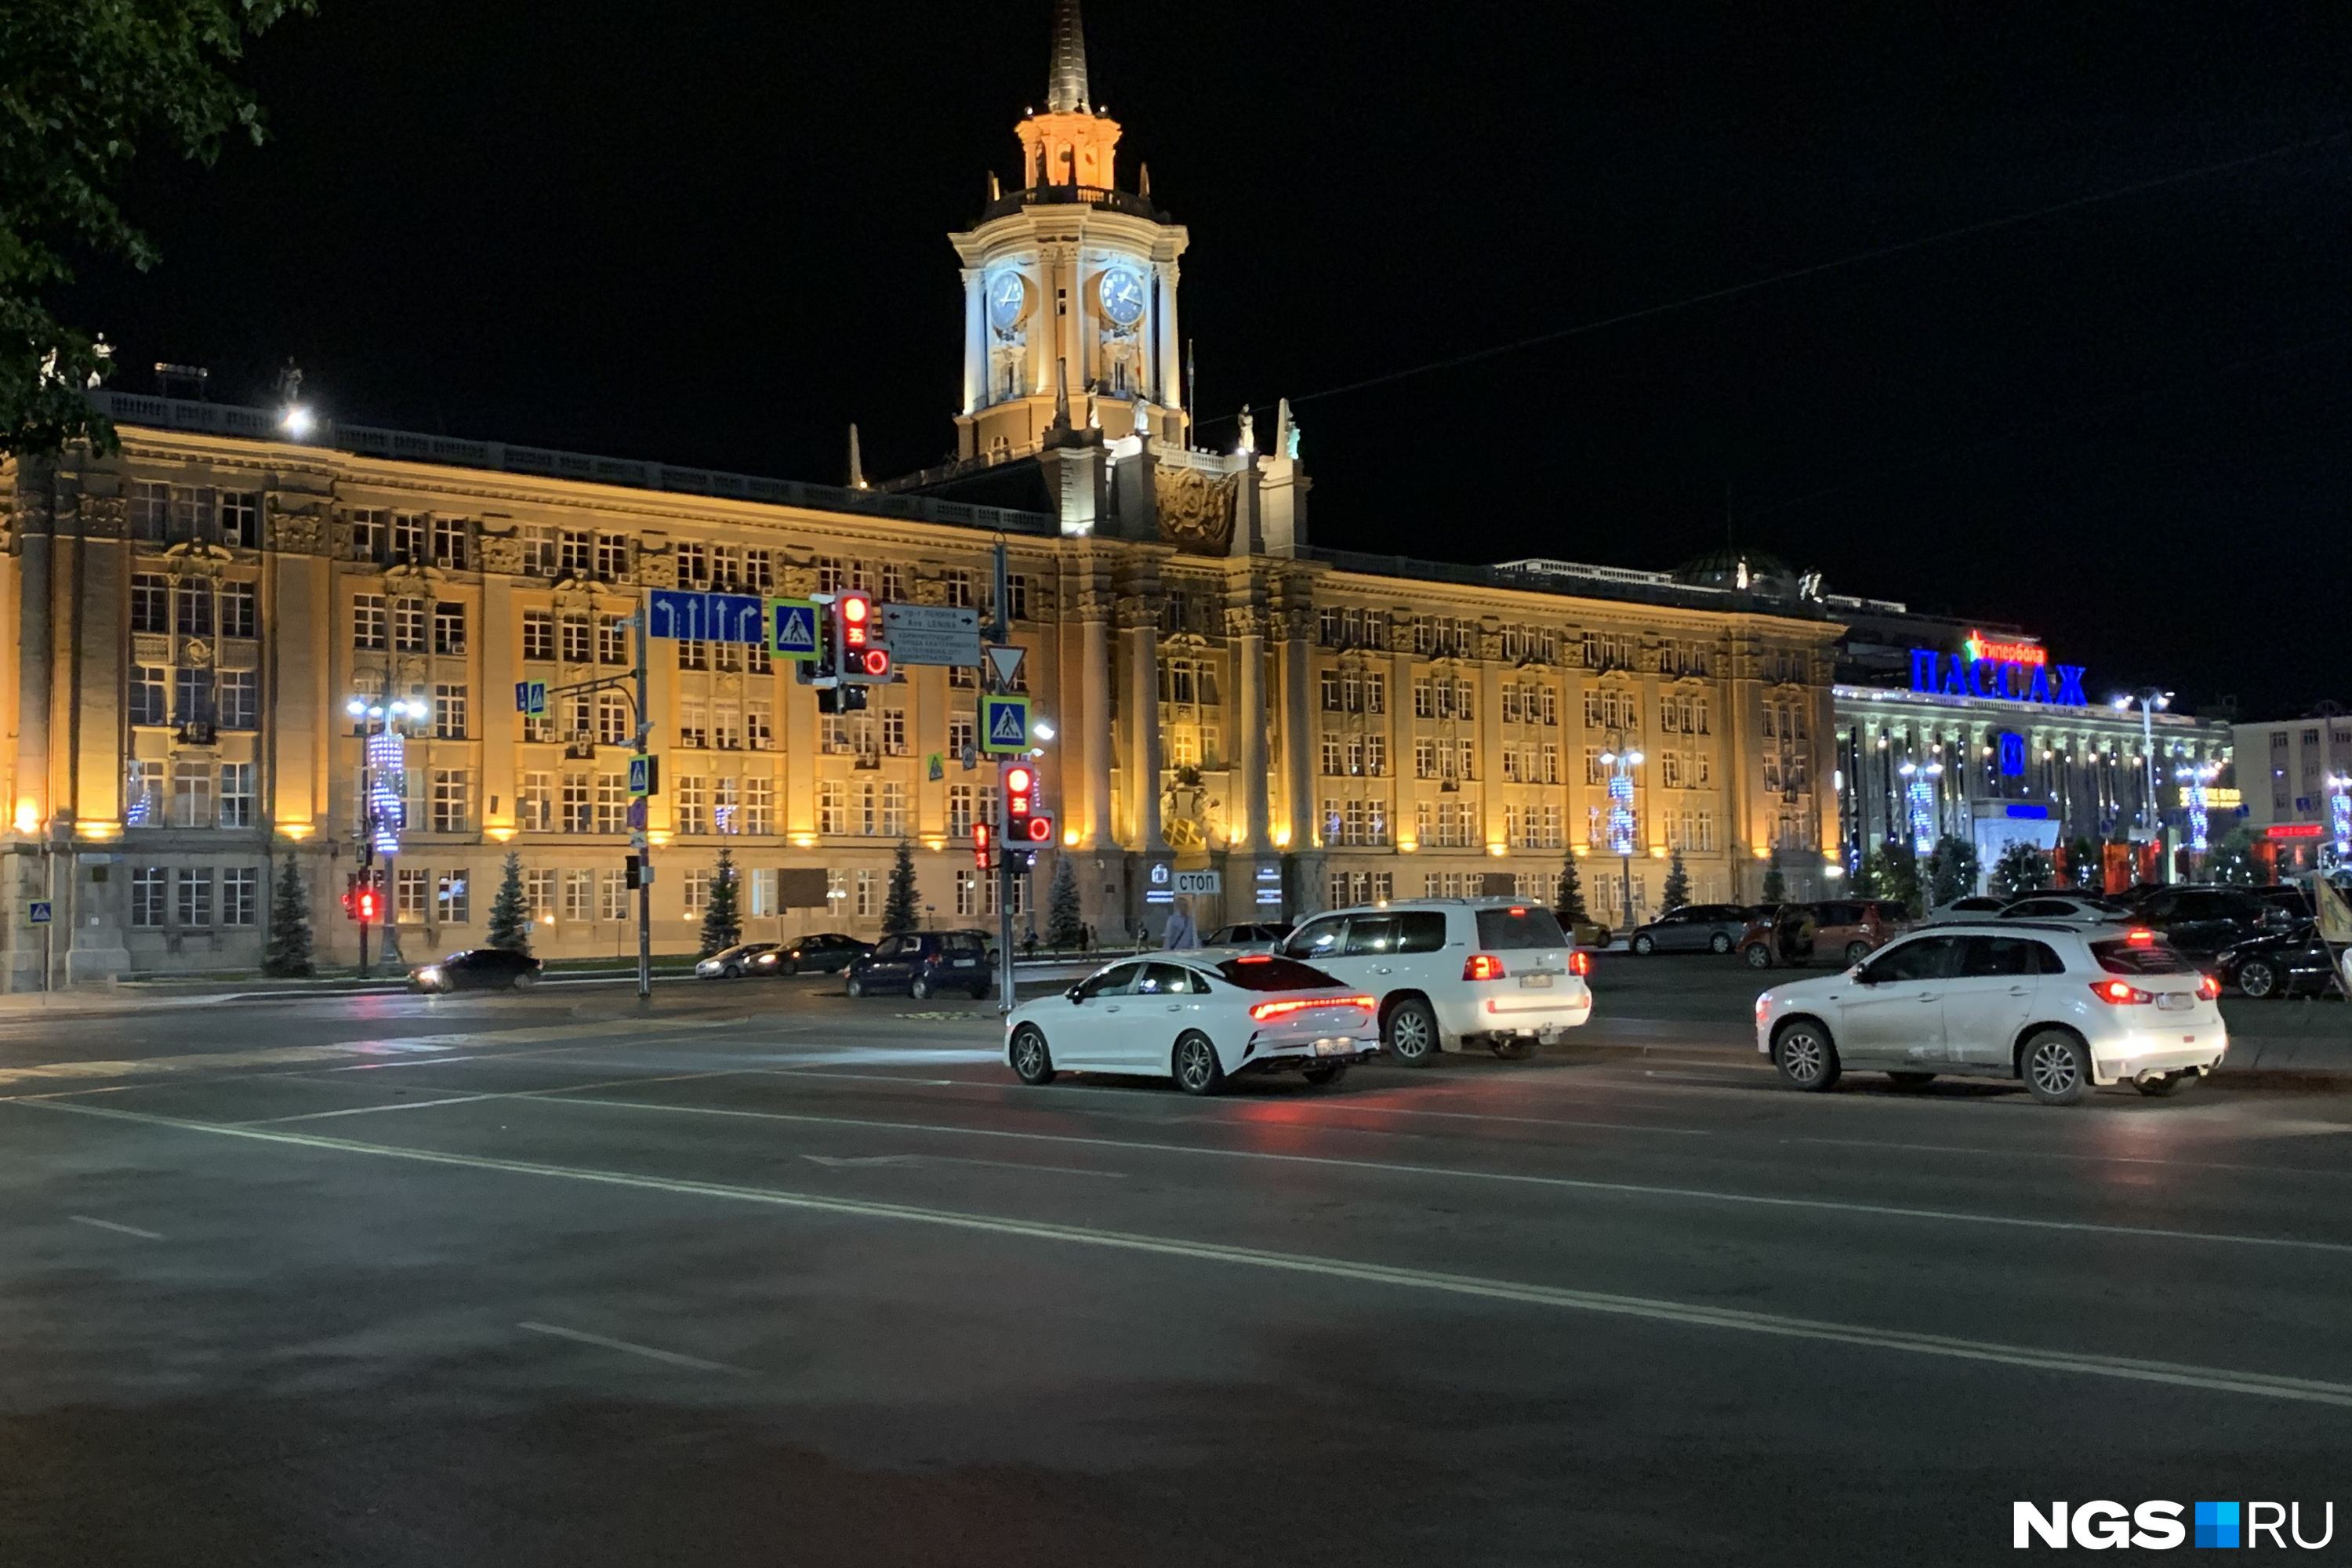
(764, 1276)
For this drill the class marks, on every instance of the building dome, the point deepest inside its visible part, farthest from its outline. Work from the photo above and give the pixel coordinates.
(1741, 568)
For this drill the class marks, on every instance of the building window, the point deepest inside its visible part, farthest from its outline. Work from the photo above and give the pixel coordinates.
(693, 564)
(959, 817)
(241, 896)
(962, 737)
(192, 515)
(535, 804)
(449, 543)
(693, 725)
(143, 795)
(409, 535)
(612, 641)
(192, 607)
(147, 898)
(449, 712)
(760, 725)
(760, 807)
(693, 653)
(957, 582)
(236, 795)
(448, 629)
(613, 895)
(151, 514)
(611, 803)
(538, 896)
(1329, 685)
(726, 805)
(578, 814)
(579, 895)
(408, 625)
(151, 603)
(893, 732)
(692, 805)
(192, 795)
(368, 621)
(151, 700)
(697, 888)
(894, 810)
(195, 900)
(192, 697)
(538, 634)
(612, 726)
(453, 808)
(611, 556)
(832, 815)
(450, 902)
(870, 811)
(866, 906)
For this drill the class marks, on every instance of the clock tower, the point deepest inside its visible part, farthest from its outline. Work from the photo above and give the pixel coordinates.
(1069, 286)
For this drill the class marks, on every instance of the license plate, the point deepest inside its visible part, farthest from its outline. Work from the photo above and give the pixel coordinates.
(1335, 1047)
(2175, 1001)
(1534, 981)
(963, 964)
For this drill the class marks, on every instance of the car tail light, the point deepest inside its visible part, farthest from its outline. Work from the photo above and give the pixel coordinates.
(2120, 992)
(1482, 966)
(1580, 964)
(1264, 1010)
(2209, 987)
(2141, 936)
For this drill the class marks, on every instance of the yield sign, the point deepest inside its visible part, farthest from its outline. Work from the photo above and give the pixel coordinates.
(1007, 663)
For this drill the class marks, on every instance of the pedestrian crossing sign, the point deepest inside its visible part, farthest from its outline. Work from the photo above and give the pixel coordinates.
(792, 629)
(1004, 725)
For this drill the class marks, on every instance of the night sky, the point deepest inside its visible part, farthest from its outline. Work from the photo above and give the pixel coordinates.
(715, 234)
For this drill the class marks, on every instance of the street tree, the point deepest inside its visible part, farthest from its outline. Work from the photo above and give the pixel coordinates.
(2232, 860)
(902, 909)
(1065, 920)
(1776, 886)
(289, 955)
(2022, 868)
(722, 917)
(84, 85)
(1571, 910)
(510, 916)
(1676, 892)
(1951, 871)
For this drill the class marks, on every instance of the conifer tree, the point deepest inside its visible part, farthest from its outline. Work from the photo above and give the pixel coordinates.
(1676, 892)
(902, 909)
(722, 916)
(1776, 886)
(509, 917)
(1065, 920)
(1571, 910)
(289, 955)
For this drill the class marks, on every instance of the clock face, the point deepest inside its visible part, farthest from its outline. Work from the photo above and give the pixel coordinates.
(1122, 297)
(1008, 299)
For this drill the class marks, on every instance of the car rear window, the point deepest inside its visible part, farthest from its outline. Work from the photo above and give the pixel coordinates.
(1421, 931)
(1270, 974)
(2121, 956)
(1520, 926)
(962, 942)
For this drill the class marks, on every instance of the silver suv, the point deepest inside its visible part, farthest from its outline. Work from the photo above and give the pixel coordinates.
(1451, 972)
(2063, 1006)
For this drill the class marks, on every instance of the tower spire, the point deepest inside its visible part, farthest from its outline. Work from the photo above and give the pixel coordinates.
(1066, 83)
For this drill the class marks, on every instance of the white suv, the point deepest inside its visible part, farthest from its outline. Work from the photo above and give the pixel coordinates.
(2061, 1007)
(1449, 972)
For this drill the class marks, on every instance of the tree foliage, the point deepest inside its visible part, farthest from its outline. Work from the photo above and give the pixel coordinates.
(83, 85)
(1571, 894)
(2231, 859)
(1064, 918)
(722, 911)
(289, 955)
(902, 909)
(1776, 886)
(1891, 872)
(1951, 871)
(1676, 892)
(510, 916)
(2022, 868)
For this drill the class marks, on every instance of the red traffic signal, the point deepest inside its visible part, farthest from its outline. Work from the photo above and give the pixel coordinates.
(366, 901)
(1041, 830)
(980, 845)
(855, 614)
(1020, 791)
(875, 662)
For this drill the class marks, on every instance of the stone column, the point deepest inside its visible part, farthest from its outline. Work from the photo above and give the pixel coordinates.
(1298, 729)
(1094, 610)
(1140, 630)
(1246, 626)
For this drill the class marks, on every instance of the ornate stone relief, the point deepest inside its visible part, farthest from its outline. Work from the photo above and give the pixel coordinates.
(1196, 512)
(502, 555)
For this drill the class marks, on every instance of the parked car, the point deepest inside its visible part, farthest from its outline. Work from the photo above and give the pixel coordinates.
(1261, 933)
(2201, 920)
(1197, 1019)
(923, 963)
(1693, 928)
(2063, 1006)
(2292, 897)
(1975, 907)
(477, 969)
(822, 953)
(2277, 963)
(733, 962)
(1449, 972)
(1836, 931)
(2082, 908)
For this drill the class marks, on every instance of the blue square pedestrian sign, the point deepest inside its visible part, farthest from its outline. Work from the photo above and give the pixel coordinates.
(37, 912)
(530, 696)
(792, 629)
(1004, 724)
(645, 777)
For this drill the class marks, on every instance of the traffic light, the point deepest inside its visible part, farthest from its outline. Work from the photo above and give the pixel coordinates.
(351, 895)
(842, 699)
(370, 902)
(1020, 802)
(980, 845)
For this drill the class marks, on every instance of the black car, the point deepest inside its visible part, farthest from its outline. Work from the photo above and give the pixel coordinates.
(2200, 921)
(1263, 933)
(923, 963)
(1693, 928)
(734, 963)
(2276, 965)
(477, 969)
(823, 953)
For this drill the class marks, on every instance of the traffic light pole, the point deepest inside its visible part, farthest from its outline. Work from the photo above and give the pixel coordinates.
(999, 631)
(644, 849)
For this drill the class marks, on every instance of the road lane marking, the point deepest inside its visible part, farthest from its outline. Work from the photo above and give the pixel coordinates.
(494, 1094)
(1345, 1106)
(671, 1358)
(862, 1161)
(111, 1224)
(2060, 1154)
(2265, 1385)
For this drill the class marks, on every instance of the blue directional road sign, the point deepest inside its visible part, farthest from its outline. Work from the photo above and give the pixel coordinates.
(530, 696)
(792, 629)
(1004, 724)
(681, 612)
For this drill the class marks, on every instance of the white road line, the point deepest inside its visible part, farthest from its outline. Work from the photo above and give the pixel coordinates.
(110, 1225)
(2058, 1154)
(670, 1357)
(855, 1161)
(2222, 1380)
(470, 1098)
(1345, 1106)
(1516, 1178)
(370, 1110)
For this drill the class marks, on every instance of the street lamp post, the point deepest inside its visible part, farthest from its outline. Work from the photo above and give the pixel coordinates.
(2149, 698)
(378, 822)
(1620, 762)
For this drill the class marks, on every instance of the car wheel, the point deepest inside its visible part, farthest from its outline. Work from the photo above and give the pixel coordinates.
(855, 986)
(1719, 942)
(1759, 955)
(789, 966)
(524, 981)
(1645, 945)
(1324, 1077)
(1806, 1056)
(919, 989)
(2257, 979)
(1031, 1062)
(1195, 1065)
(1410, 1033)
(2057, 1068)
(1513, 1049)
(1910, 1079)
(1855, 951)
(2170, 1084)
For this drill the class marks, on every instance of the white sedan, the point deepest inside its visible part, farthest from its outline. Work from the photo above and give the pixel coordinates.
(1198, 1018)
